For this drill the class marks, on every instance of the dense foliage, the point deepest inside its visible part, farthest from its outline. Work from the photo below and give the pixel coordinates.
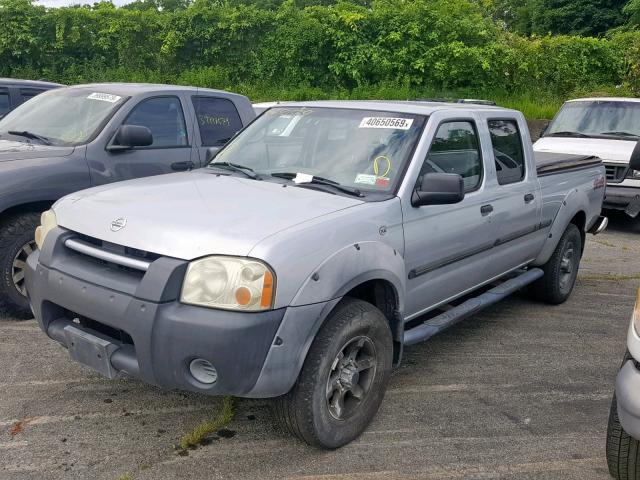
(310, 48)
(570, 17)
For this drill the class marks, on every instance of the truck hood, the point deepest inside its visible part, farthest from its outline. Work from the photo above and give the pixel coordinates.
(610, 151)
(12, 150)
(189, 215)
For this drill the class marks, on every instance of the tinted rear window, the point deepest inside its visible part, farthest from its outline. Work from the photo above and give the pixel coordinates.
(507, 150)
(218, 120)
(4, 103)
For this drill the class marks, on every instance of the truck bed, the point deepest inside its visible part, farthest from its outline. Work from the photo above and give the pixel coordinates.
(549, 163)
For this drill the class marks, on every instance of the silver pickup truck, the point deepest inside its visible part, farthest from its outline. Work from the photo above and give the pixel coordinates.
(319, 242)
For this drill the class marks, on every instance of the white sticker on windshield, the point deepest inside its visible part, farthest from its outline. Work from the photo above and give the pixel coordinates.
(365, 179)
(386, 122)
(104, 97)
(303, 178)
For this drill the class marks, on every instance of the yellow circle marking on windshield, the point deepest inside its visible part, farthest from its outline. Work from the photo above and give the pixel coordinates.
(376, 166)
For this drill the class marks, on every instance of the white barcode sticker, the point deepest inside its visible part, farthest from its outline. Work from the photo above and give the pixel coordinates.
(104, 97)
(386, 122)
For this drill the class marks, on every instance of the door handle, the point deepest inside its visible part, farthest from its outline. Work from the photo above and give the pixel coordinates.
(529, 197)
(182, 166)
(486, 209)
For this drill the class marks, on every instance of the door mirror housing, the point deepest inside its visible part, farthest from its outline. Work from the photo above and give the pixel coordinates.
(438, 189)
(211, 153)
(634, 161)
(130, 136)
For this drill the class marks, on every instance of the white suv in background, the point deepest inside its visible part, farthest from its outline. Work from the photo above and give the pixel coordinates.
(608, 128)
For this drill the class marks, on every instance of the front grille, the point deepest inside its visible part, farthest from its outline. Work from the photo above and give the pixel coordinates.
(121, 249)
(615, 173)
(116, 256)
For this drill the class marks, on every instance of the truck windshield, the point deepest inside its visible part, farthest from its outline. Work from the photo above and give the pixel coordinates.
(66, 116)
(599, 119)
(360, 149)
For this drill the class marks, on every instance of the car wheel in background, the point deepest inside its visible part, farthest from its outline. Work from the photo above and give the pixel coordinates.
(623, 452)
(16, 243)
(343, 379)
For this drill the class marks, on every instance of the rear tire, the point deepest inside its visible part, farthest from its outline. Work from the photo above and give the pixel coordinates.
(343, 379)
(623, 451)
(561, 271)
(16, 242)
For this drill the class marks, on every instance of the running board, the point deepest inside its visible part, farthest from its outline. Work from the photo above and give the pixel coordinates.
(436, 324)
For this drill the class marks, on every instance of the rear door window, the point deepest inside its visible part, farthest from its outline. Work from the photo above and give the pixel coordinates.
(165, 118)
(218, 120)
(5, 104)
(507, 151)
(29, 93)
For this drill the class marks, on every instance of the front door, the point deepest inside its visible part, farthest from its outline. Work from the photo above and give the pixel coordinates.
(169, 152)
(445, 245)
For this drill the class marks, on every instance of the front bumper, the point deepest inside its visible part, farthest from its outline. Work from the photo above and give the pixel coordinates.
(628, 397)
(626, 199)
(147, 333)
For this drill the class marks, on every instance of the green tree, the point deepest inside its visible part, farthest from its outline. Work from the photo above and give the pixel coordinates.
(632, 10)
(575, 17)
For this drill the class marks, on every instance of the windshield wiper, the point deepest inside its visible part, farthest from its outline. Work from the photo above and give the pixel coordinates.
(234, 167)
(621, 134)
(568, 134)
(31, 135)
(321, 181)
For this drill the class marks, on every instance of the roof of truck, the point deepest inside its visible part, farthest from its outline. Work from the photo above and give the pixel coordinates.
(403, 106)
(28, 83)
(605, 99)
(129, 89)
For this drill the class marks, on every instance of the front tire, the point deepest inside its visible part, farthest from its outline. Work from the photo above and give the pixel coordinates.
(16, 243)
(561, 271)
(343, 379)
(623, 452)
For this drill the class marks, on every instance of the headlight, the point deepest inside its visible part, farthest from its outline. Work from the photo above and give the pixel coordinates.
(634, 174)
(229, 283)
(47, 223)
(636, 314)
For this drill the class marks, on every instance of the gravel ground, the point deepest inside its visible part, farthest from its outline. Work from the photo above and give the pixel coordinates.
(520, 391)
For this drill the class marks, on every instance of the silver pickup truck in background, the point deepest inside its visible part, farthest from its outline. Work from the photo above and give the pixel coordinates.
(318, 243)
(608, 128)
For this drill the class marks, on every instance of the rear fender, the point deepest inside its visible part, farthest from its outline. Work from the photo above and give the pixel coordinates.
(574, 202)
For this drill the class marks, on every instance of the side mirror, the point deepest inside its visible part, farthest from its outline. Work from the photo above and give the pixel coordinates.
(129, 136)
(211, 153)
(438, 189)
(634, 161)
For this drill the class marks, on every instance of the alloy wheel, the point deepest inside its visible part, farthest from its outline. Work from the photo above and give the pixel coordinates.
(351, 377)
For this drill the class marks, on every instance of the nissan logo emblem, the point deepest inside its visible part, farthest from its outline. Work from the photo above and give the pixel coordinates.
(118, 224)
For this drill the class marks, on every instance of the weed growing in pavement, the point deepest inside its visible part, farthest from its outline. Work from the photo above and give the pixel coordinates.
(200, 432)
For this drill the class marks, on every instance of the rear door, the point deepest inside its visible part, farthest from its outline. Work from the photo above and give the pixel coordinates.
(446, 245)
(217, 121)
(169, 152)
(516, 205)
